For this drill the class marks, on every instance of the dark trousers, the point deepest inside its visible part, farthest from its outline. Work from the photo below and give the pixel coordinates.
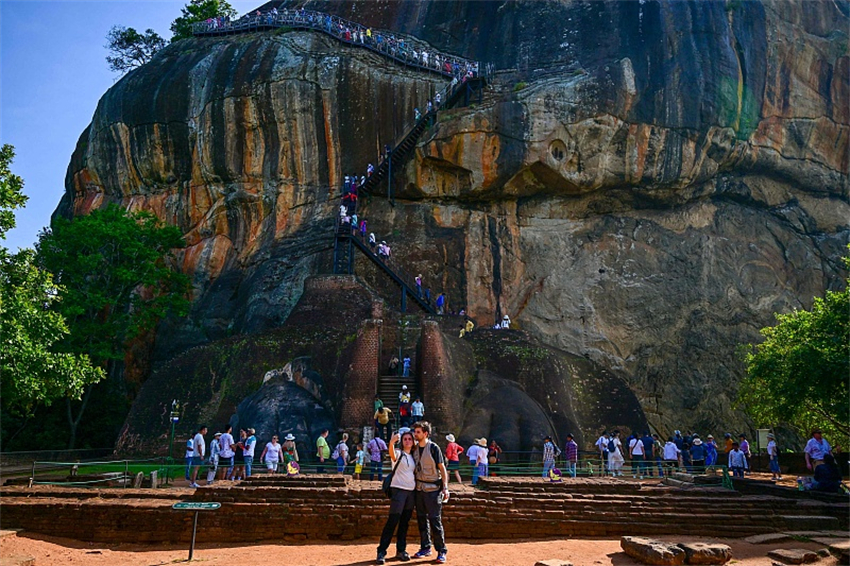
(377, 468)
(384, 431)
(320, 468)
(429, 515)
(401, 510)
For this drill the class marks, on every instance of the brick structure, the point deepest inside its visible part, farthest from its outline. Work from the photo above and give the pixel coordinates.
(332, 508)
(441, 390)
(361, 380)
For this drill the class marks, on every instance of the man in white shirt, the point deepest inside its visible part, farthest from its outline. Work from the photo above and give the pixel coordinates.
(672, 456)
(248, 452)
(773, 455)
(636, 452)
(198, 449)
(602, 446)
(225, 456)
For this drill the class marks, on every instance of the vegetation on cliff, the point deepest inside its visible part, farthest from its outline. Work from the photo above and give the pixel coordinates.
(129, 49)
(199, 11)
(798, 375)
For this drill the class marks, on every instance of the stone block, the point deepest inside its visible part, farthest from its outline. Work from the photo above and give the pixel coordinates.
(793, 555)
(769, 538)
(9, 532)
(553, 562)
(651, 551)
(838, 547)
(706, 553)
(17, 560)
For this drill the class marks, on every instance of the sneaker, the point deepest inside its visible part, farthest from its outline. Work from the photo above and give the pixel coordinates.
(441, 558)
(423, 552)
(193, 484)
(380, 559)
(403, 556)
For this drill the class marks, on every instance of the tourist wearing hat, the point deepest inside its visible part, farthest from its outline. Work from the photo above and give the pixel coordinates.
(773, 455)
(215, 450)
(290, 452)
(550, 452)
(571, 455)
(453, 452)
(506, 322)
(697, 455)
(710, 451)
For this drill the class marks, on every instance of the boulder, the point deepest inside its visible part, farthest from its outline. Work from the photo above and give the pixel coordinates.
(793, 555)
(706, 553)
(651, 551)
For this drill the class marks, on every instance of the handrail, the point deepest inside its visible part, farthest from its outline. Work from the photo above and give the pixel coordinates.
(406, 50)
(403, 278)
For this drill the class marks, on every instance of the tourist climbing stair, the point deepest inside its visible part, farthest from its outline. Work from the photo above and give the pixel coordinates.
(467, 79)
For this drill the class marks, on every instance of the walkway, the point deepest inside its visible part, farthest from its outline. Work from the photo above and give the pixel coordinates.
(405, 50)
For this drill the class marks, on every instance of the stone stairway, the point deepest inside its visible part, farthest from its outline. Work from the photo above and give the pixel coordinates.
(389, 386)
(332, 507)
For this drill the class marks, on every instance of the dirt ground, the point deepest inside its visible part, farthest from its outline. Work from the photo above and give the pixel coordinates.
(50, 551)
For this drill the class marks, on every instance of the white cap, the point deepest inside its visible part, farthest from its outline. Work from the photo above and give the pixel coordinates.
(404, 386)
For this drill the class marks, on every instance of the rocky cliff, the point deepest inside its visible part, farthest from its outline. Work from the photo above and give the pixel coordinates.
(643, 185)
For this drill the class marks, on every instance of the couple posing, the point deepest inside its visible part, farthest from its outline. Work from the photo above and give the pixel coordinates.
(419, 480)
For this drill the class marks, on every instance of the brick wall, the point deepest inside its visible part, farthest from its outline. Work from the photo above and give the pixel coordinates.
(343, 510)
(361, 380)
(442, 392)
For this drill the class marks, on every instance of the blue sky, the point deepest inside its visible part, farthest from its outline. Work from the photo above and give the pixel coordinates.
(52, 73)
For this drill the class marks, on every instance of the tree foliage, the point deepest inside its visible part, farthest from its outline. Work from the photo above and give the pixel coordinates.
(11, 190)
(115, 268)
(129, 49)
(118, 283)
(32, 371)
(799, 374)
(199, 11)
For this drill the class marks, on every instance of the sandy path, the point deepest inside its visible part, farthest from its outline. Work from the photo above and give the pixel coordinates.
(50, 551)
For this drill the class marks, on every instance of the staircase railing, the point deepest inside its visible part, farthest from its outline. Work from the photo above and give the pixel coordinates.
(391, 267)
(401, 48)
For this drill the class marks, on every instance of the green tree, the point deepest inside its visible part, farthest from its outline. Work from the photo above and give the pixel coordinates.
(129, 49)
(32, 371)
(799, 374)
(199, 11)
(115, 268)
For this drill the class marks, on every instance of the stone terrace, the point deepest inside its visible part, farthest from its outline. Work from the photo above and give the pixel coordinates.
(333, 507)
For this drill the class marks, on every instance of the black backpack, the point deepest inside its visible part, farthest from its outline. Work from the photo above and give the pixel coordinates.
(612, 447)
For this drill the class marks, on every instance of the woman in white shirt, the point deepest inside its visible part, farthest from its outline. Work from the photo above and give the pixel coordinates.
(403, 487)
(615, 457)
(272, 454)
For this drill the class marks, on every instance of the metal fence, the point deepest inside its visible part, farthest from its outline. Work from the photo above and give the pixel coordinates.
(403, 48)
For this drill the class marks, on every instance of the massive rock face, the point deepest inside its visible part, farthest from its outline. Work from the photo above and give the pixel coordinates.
(643, 186)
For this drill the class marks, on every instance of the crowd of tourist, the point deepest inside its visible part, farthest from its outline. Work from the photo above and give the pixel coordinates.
(407, 50)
